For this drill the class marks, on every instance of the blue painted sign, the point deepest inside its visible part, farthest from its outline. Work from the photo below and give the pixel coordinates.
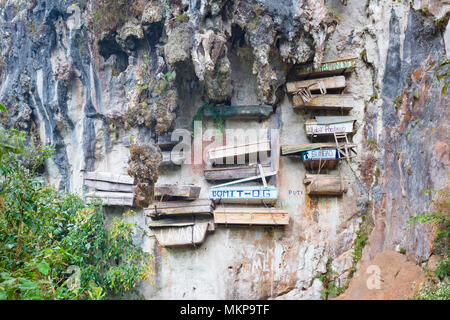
(244, 193)
(320, 154)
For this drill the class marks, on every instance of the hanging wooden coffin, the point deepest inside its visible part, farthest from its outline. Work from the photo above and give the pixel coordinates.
(232, 173)
(239, 112)
(223, 152)
(173, 233)
(202, 207)
(112, 198)
(245, 194)
(324, 184)
(329, 125)
(251, 216)
(112, 189)
(321, 158)
(165, 141)
(173, 190)
(337, 66)
(324, 101)
(337, 82)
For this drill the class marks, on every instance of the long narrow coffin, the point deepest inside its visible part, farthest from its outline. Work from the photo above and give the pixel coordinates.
(324, 184)
(112, 189)
(244, 194)
(202, 207)
(232, 173)
(251, 216)
(112, 198)
(108, 186)
(109, 177)
(321, 158)
(329, 125)
(337, 82)
(165, 141)
(223, 152)
(173, 233)
(325, 101)
(337, 66)
(173, 190)
(239, 112)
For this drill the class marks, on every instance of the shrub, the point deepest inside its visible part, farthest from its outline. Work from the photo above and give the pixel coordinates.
(52, 244)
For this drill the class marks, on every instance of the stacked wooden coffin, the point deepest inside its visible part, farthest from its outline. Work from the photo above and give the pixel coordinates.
(321, 88)
(239, 204)
(112, 189)
(166, 144)
(178, 217)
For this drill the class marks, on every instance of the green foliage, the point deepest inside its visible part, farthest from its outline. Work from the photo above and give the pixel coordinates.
(162, 84)
(439, 292)
(213, 109)
(372, 143)
(362, 239)
(443, 72)
(439, 215)
(330, 286)
(112, 14)
(45, 235)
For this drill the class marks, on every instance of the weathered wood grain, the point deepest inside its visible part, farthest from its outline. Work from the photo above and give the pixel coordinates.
(335, 66)
(325, 101)
(181, 235)
(238, 150)
(109, 177)
(251, 216)
(183, 191)
(324, 184)
(337, 82)
(112, 198)
(108, 186)
(241, 112)
(231, 173)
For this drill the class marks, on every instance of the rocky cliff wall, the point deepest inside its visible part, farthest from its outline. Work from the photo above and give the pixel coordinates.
(91, 91)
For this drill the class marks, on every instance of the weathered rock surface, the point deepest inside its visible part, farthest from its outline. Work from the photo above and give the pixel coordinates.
(92, 96)
(389, 276)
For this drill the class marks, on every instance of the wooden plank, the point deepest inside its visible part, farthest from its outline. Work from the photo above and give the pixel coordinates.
(181, 204)
(239, 112)
(238, 150)
(297, 149)
(337, 82)
(251, 216)
(337, 66)
(325, 158)
(108, 186)
(325, 101)
(324, 184)
(165, 140)
(244, 194)
(266, 174)
(313, 128)
(171, 190)
(203, 210)
(109, 177)
(181, 235)
(230, 173)
(112, 198)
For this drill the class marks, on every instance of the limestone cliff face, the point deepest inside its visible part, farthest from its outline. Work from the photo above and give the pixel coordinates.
(91, 91)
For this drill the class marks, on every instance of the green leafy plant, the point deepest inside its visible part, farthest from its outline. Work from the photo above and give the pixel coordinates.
(46, 234)
(443, 73)
(162, 84)
(213, 110)
(439, 215)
